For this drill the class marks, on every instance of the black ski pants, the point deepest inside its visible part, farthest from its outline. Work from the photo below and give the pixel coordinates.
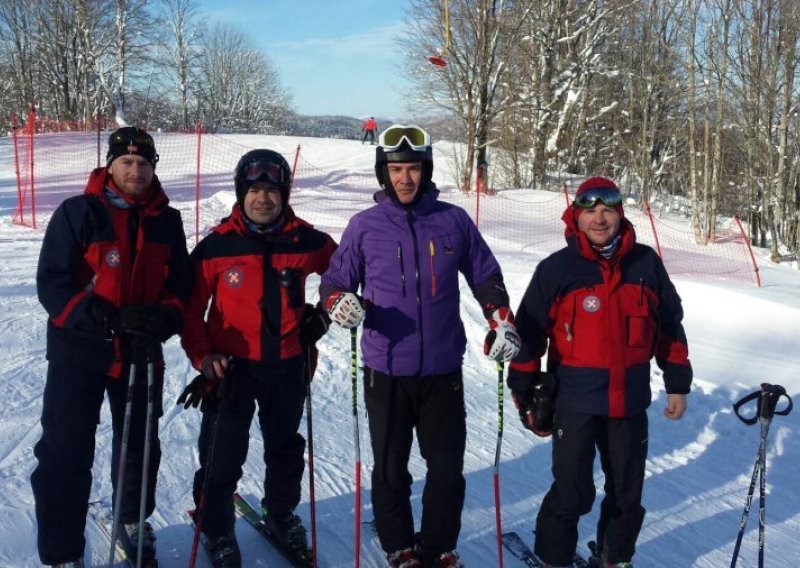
(622, 444)
(279, 389)
(62, 479)
(369, 134)
(434, 406)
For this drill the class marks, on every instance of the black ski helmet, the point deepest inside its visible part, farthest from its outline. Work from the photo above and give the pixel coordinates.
(276, 172)
(402, 153)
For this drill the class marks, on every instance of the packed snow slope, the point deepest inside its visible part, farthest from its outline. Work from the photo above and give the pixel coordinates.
(698, 469)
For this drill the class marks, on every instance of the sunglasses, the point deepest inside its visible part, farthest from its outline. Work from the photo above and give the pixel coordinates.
(266, 171)
(591, 197)
(391, 138)
(136, 139)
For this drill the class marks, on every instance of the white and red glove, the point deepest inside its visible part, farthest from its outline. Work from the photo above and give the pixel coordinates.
(502, 342)
(346, 309)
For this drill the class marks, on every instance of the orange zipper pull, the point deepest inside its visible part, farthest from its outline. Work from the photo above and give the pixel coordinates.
(433, 268)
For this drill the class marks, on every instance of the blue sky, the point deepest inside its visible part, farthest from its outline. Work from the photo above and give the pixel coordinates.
(335, 57)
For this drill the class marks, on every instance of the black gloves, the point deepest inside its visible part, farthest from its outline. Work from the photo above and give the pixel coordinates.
(536, 405)
(143, 327)
(205, 390)
(313, 324)
(153, 322)
(196, 390)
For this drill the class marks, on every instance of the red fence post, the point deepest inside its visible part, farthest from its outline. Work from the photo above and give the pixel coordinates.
(97, 128)
(566, 193)
(32, 122)
(199, 130)
(653, 227)
(296, 157)
(749, 249)
(477, 207)
(14, 128)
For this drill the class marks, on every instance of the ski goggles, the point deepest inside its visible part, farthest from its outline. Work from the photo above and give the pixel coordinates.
(132, 139)
(608, 196)
(392, 138)
(266, 171)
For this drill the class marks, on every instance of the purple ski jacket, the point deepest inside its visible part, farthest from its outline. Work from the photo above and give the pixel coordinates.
(406, 262)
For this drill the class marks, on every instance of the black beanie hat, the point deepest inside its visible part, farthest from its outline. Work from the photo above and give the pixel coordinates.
(131, 140)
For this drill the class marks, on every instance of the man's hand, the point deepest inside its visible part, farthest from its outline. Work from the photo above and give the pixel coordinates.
(536, 405)
(214, 366)
(346, 309)
(676, 406)
(150, 322)
(502, 342)
(313, 324)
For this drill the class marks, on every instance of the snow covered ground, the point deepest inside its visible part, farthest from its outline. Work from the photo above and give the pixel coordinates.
(698, 470)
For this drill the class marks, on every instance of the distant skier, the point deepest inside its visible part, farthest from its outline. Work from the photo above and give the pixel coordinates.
(253, 268)
(405, 255)
(113, 273)
(601, 308)
(370, 128)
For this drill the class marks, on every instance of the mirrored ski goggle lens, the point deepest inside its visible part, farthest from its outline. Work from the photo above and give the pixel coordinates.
(132, 140)
(591, 197)
(392, 137)
(269, 171)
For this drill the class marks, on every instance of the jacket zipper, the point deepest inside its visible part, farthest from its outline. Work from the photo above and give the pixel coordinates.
(410, 219)
(402, 268)
(433, 268)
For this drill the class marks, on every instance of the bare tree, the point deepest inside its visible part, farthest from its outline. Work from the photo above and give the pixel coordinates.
(238, 88)
(181, 49)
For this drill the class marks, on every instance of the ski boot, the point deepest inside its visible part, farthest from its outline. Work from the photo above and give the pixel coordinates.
(225, 552)
(404, 558)
(129, 539)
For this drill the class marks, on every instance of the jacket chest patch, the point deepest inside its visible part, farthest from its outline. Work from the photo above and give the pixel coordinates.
(591, 304)
(233, 277)
(113, 258)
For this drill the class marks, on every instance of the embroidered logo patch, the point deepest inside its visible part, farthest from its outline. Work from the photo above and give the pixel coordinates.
(591, 304)
(132, 149)
(233, 277)
(112, 258)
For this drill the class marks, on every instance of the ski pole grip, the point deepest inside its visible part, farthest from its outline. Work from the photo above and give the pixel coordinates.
(774, 393)
(768, 398)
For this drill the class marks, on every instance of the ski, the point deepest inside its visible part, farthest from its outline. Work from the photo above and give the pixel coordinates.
(100, 515)
(516, 546)
(514, 543)
(248, 513)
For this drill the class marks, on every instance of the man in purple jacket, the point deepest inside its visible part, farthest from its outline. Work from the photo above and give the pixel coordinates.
(405, 254)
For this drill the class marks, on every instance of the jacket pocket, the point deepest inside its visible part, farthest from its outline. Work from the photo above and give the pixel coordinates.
(639, 327)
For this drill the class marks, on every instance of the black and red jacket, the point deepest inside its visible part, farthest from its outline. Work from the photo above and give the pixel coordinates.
(601, 322)
(256, 284)
(102, 251)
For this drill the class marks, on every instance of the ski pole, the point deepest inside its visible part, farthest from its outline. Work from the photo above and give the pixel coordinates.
(309, 423)
(354, 377)
(498, 524)
(146, 458)
(768, 398)
(201, 507)
(126, 428)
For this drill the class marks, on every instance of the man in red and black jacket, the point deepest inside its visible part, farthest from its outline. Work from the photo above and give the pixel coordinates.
(601, 308)
(254, 342)
(113, 274)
